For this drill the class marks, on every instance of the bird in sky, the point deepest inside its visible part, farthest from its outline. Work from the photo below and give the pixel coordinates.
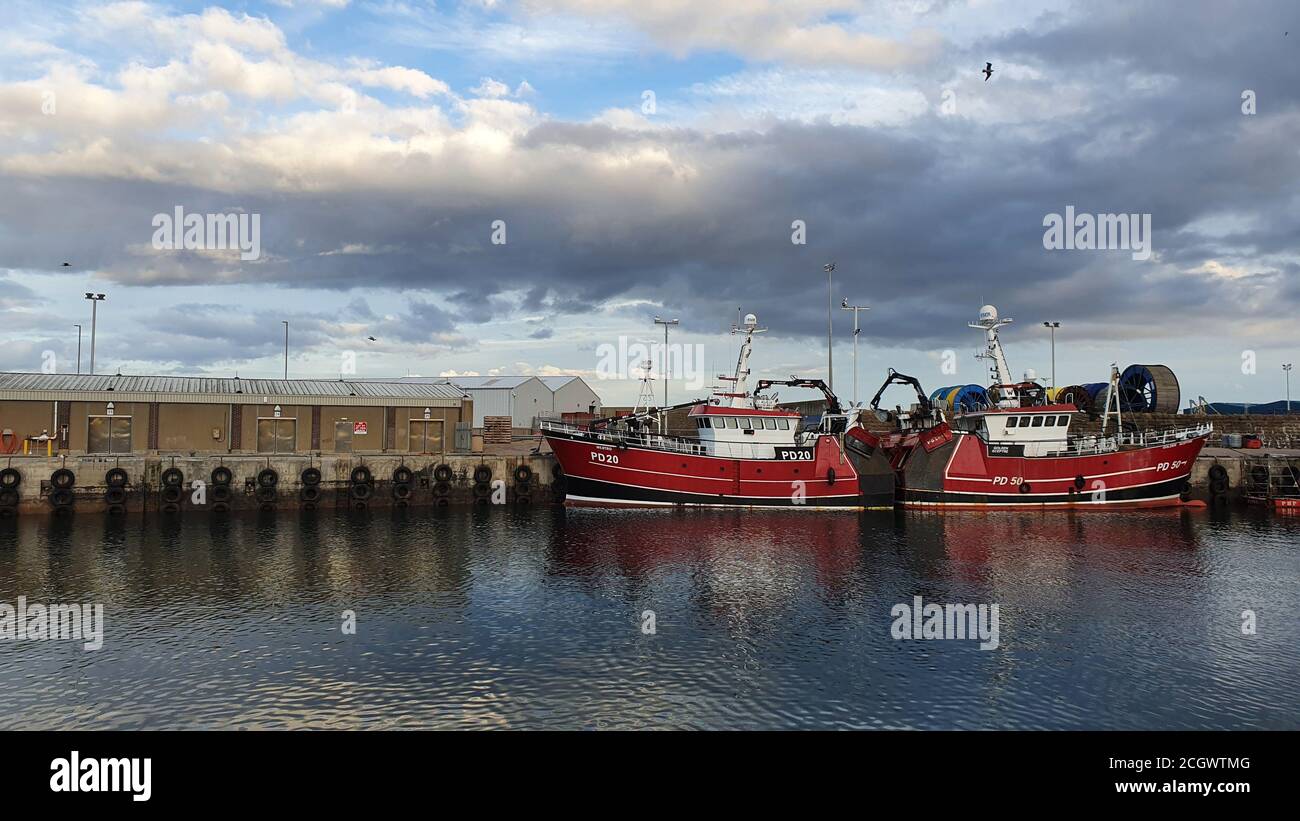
(987, 72)
(67, 265)
(371, 338)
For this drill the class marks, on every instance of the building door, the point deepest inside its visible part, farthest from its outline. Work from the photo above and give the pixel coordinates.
(276, 435)
(343, 437)
(425, 436)
(109, 434)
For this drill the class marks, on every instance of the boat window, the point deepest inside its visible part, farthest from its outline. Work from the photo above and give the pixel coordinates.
(1013, 421)
(769, 423)
(744, 423)
(731, 421)
(1037, 423)
(1049, 421)
(1062, 420)
(783, 424)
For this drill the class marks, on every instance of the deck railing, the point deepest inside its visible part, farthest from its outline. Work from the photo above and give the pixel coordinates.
(673, 444)
(1088, 445)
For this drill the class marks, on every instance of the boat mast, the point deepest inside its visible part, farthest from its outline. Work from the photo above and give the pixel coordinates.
(990, 323)
(739, 393)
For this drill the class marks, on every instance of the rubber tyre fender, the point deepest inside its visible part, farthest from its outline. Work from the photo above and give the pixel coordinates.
(116, 477)
(401, 491)
(482, 490)
(310, 477)
(220, 494)
(63, 479)
(115, 495)
(441, 489)
(309, 494)
(61, 497)
(482, 474)
(8, 497)
(1218, 471)
(171, 494)
(266, 495)
(222, 475)
(443, 473)
(1024, 487)
(523, 475)
(830, 476)
(1079, 482)
(403, 475)
(360, 475)
(173, 477)
(10, 478)
(267, 477)
(361, 492)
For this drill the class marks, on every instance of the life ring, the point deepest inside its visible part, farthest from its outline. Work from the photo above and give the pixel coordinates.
(360, 475)
(116, 477)
(222, 476)
(62, 479)
(173, 477)
(267, 477)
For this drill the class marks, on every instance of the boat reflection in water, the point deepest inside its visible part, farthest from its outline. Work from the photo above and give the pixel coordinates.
(534, 618)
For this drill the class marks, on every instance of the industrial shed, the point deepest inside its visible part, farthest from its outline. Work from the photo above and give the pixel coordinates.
(98, 414)
(570, 394)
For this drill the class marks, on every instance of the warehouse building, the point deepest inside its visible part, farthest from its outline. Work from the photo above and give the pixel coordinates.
(97, 414)
(525, 399)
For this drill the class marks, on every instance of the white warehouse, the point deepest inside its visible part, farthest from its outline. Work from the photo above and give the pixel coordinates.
(525, 399)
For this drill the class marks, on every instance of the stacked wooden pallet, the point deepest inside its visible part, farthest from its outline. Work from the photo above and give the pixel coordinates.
(497, 430)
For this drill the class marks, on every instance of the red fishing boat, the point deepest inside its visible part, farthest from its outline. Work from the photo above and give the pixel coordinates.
(747, 452)
(1015, 454)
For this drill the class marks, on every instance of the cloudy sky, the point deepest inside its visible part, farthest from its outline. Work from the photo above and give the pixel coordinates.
(650, 157)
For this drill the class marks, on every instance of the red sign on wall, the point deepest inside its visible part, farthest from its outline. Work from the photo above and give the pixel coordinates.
(359, 428)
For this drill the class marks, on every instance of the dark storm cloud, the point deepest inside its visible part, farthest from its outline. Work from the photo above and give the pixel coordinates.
(925, 221)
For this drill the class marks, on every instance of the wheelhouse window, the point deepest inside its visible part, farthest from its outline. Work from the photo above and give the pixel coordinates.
(769, 423)
(783, 424)
(1037, 423)
(1013, 421)
(1049, 421)
(745, 424)
(731, 421)
(1062, 421)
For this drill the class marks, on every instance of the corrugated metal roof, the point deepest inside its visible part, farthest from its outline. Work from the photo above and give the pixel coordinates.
(208, 386)
(489, 382)
(557, 382)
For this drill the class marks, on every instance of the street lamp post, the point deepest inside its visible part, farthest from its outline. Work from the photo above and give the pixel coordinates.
(829, 268)
(854, 308)
(666, 323)
(95, 299)
(78, 327)
(286, 348)
(1052, 326)
(1287, 370)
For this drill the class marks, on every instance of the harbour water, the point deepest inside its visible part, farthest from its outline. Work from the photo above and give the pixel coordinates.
(540, 618)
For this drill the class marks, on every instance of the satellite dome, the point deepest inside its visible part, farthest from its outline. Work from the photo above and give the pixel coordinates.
(750, 320)
(988, 314)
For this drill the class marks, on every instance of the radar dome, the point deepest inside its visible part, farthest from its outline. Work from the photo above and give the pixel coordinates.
(988, 314)
(750, 320)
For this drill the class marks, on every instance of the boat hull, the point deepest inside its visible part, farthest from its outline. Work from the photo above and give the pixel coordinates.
(955, 470)
(829, 477)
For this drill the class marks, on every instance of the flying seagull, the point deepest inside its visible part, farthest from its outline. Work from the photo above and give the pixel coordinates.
(67, 265)
(987, 72)
(371, 338)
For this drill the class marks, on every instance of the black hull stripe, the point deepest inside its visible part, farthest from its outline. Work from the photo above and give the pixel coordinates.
(614, 492)
(1161, 490)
